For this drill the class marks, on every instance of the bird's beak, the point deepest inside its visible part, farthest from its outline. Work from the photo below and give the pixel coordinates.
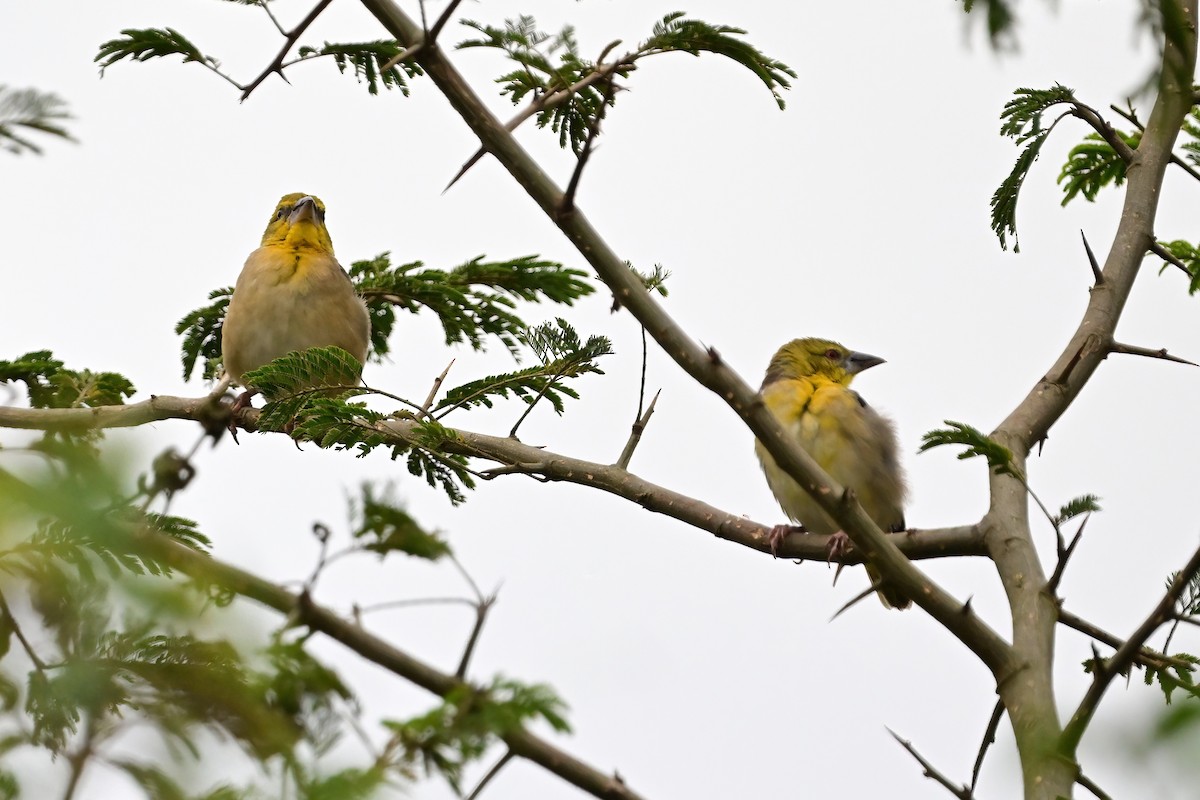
(857, 362)
(304, 211)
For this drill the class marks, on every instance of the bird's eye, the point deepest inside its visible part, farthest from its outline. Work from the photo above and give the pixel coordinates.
(833, 354)
(281, 213)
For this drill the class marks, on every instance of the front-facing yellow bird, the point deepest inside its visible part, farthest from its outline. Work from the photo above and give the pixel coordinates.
(292, 295)
(807, 388)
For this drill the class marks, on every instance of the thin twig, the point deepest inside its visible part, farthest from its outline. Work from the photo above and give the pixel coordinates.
(265, 6)
(1146, 657)
(1097, 275)
(323, 534)
(481, 611)
(546, 102)
(1125, 656)
(38, 664)
(413, 602)
(493, 772)
(433, 390)
(291, 37)
(512, 434)
(432, 36)
(1092, 117)
(635, 435)
(961, 792)
(1161, 353)
(1176, 160)
(403, 55)
(567, 204)
(1064, 555)
(989, 736)
(1087, 783)
(1169, 257)
(78, 760)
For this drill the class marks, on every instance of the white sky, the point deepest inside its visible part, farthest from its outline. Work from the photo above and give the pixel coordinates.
(694, 667)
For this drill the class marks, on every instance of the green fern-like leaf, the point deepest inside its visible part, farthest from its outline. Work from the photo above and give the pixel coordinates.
(999, 457)
(367, 60)
(562, 355)
(383, 527)
(1022, 121)
(201, 331)
(303, 371)
(1092, 165)
(1085, 504)
(675, 32)
(24, 111)
(51, 385)
(472, 301)
(468, 720)
(998, 18)
(145, 44)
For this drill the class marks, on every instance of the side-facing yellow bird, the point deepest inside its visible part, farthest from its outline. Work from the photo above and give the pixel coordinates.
(292, 295)
(807, 388)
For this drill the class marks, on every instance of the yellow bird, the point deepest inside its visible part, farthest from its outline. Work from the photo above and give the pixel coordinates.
(807, 388)
(292, 294)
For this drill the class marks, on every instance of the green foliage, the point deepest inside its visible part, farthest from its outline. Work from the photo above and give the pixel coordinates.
(1189, 255)
(655, 280)
(383, 527)
(469, 720)
(998, 18)
(1092, 165)
(1191, 130)
(1175, 677)
(147, 43)
(50, 385)
(291, 381)
(368, 60)
(677, 33)
(561, 355)
(28, 110)
(1084, 504)
(201, 331)
(548, 64)
(105, 658)
(999, 457)
(1022, 121)
(472, 301)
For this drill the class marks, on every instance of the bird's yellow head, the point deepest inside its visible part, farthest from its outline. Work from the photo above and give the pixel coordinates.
(298, 221)
(808, 358)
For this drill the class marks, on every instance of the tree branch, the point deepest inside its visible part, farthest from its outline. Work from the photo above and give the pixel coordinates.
(961, 792)
(1030, 701)
(290, 39)
(1176, 160)
(704, 365)
(1125, 656)
(989, 736)
(522, 458)
(1146, 656)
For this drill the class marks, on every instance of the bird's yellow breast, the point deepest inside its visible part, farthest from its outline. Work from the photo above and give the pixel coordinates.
(850, 441)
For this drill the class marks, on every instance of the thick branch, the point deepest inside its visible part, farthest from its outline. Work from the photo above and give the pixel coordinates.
(1030, 699)
(914, 544)
(704, 365)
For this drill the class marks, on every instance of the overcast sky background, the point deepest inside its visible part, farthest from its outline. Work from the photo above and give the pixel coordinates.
(694, 667)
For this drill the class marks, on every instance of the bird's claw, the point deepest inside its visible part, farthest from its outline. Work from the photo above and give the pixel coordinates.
(839, 544)
(779, 533)
(242, 401)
